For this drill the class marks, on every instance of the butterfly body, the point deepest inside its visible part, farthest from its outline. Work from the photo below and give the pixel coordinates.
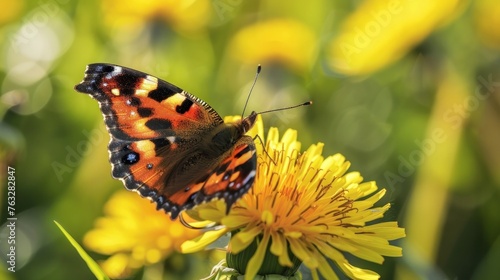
(167, 144)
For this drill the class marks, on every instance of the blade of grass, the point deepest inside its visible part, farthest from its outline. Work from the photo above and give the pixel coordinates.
(93, 266)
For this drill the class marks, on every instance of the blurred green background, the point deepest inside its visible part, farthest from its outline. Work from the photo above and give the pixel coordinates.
(408, 91)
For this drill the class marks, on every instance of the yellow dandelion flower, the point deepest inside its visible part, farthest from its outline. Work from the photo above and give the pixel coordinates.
(302, 208)
(135, 234)
(487, 20)
(284, 41)
(379, 32)
(180, 15)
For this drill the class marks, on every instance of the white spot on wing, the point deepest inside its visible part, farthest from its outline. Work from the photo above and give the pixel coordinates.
(116, 71)
(250, 175)
(151, 78)
(171, 139)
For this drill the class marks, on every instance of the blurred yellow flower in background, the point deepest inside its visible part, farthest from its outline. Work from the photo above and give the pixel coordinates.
(487, 20)
(380, 32)
(10, 10)
(284, 41)
(135, 234)
(302, 207)
(183, 15)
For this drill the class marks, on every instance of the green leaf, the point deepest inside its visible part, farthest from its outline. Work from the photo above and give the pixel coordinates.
(93, 266)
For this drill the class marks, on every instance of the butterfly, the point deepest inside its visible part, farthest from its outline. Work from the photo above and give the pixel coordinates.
(169, 145)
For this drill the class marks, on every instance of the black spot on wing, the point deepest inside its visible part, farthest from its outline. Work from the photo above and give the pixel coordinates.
(127, 91)
(160, 94)
(133, 101)
(104, 68)
(184, 107)
(127, 81)
(160, 144)
(145, 112)
(158, 124)
(221, 169)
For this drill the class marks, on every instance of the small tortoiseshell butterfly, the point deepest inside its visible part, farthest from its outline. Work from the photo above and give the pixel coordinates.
(167, 144)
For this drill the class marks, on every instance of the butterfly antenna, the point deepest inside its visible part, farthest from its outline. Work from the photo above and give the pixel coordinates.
(287, 108)
(251, 89)
(274, 110)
